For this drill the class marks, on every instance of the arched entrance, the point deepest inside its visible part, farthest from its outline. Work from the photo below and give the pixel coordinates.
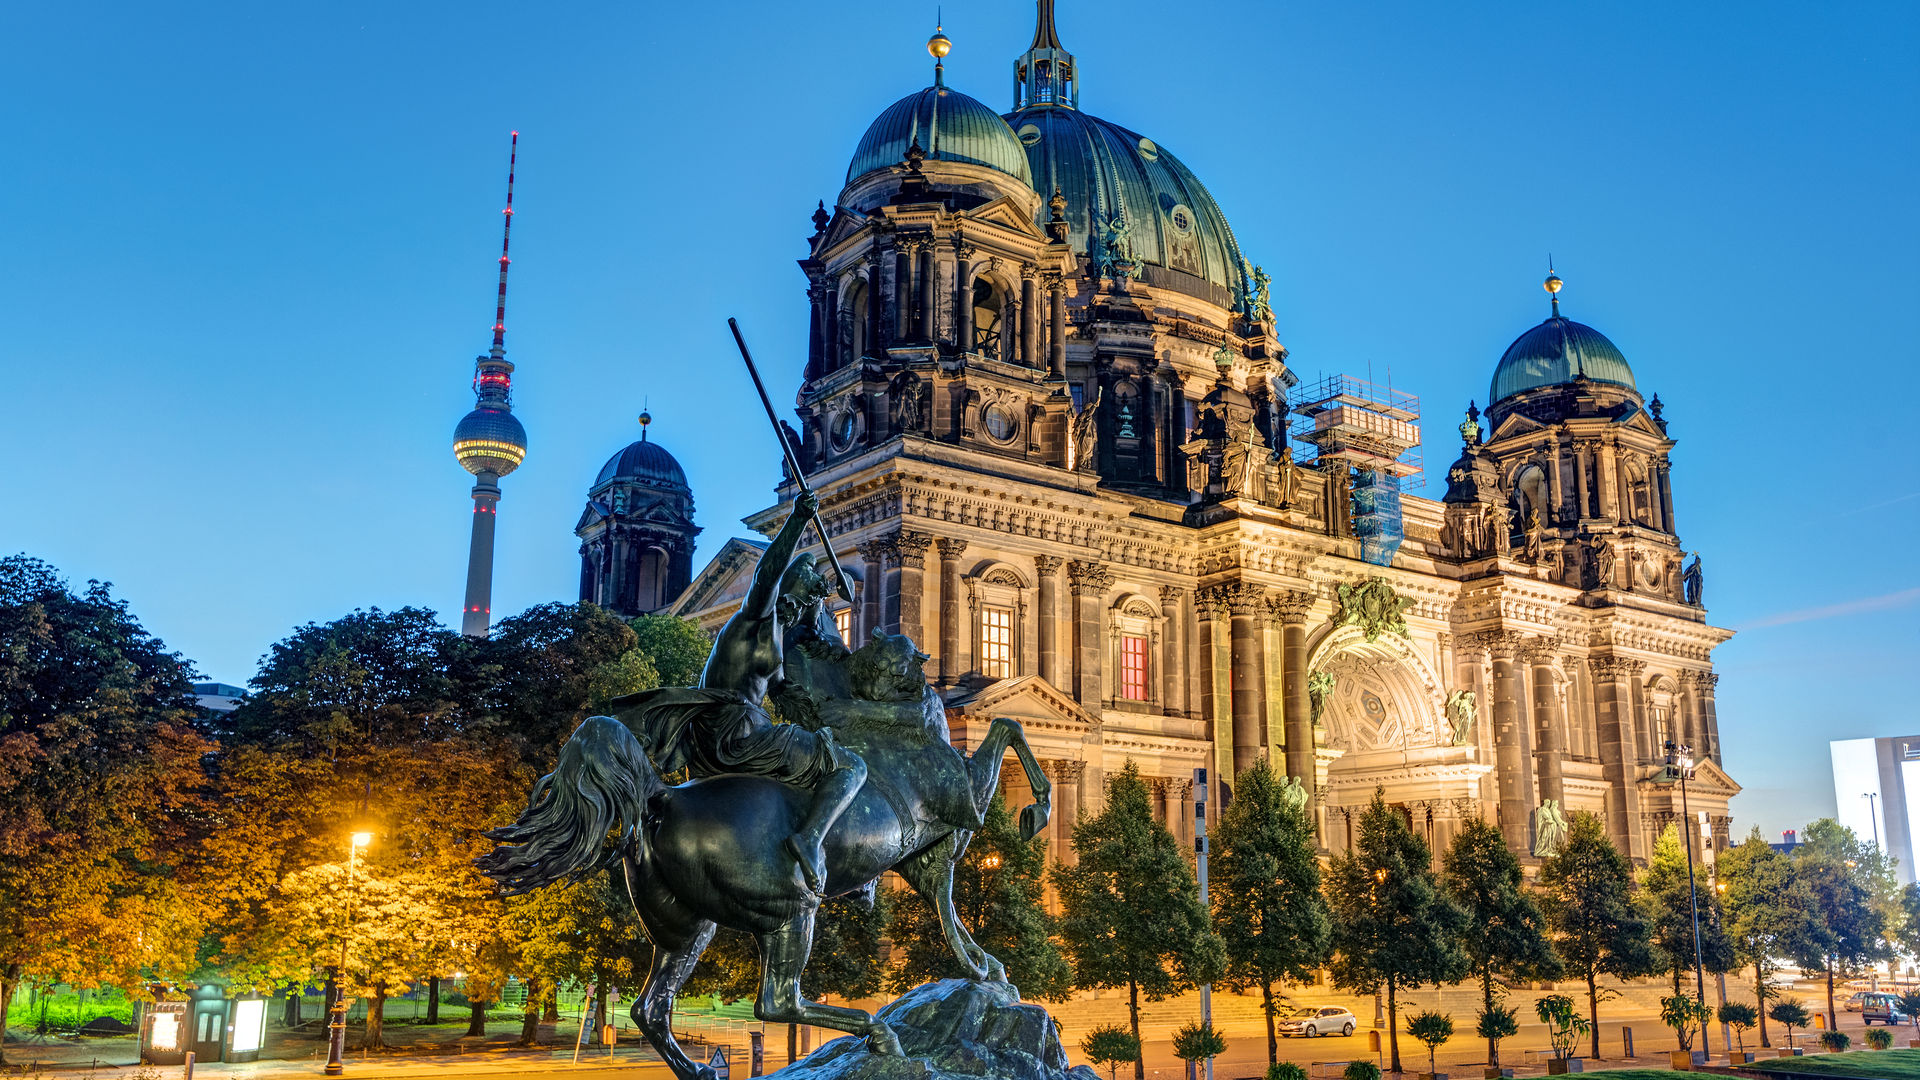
(1383, 725)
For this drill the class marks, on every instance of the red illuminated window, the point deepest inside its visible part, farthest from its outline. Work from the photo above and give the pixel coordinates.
(1133, 667)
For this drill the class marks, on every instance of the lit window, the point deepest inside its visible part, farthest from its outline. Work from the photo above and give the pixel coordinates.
(996, 642)
(1133, 667)
(843, 622)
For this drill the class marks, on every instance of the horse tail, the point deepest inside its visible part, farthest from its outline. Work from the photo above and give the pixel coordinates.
(603, 784)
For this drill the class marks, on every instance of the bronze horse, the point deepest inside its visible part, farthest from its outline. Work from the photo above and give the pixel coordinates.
(712, 852)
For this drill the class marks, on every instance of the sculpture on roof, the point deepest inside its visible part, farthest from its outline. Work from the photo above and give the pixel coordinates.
(1692, 582)
(1086, 434)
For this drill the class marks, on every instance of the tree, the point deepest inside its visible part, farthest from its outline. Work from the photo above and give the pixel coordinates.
(1587, 893)
(1432, 1028)
(1769, 913)
(101, 780)
(1909, 1005)
(1267, 903)
(1907, 939)
(1506, 933)
(996, 890)
(1394, 927)
(849, 954)
(1196, 1043)
(1669, 898)
(677, 647)
(1132, 908)
(1739, 1016)
(1852, 886)
(1686, 1015)
(1111, 1045)
(584, 932)
(1791, 1014)
(552, 666)
(1564, 1024)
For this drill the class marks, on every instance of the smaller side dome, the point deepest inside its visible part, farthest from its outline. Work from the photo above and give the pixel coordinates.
(1555, 353)
(949, 126)
(490, 440)
(643, 462)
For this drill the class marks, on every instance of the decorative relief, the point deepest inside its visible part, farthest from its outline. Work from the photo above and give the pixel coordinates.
(952, 548)
(1291, 606)
(1086, 577)
(909, 549)
(1374, 607)
(1045, 565)
(1461, 710)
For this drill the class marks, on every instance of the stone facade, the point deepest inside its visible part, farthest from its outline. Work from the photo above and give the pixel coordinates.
(1062, 466)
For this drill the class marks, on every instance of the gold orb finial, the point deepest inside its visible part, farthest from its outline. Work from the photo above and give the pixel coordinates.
(939, 45)
(1553, 283)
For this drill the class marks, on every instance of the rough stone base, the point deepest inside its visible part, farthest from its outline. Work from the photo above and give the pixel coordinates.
(952, 1029)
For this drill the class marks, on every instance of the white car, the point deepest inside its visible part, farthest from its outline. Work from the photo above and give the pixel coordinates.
(1311, 1022)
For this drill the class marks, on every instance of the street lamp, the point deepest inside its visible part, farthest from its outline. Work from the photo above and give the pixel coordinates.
(1873, 814)
(1679, 771)
(337, 1022)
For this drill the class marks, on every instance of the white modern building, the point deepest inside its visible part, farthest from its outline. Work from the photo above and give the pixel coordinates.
(1870, 782)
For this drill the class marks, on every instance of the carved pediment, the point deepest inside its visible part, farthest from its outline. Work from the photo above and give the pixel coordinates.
(595, 513)
(1043, 710)
(725, 578)
(1005, 213)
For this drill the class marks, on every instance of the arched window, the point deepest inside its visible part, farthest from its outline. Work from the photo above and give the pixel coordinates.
(988, 308)
(858, 297)
(1134, 625)
(1529, 497)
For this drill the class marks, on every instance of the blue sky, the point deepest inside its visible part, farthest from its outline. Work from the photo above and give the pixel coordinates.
(250, 261)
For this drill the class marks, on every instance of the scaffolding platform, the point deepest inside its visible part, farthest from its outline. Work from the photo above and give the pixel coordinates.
(1372, 432)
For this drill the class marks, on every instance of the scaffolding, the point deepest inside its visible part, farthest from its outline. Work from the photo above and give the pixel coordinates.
(1372, 435)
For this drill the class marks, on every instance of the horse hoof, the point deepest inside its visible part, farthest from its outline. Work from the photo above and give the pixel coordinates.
(881, 1040)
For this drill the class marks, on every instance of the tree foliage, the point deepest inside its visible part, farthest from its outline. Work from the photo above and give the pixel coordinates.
(997, 890)
(1196, 1042)
(1431, 1028)
(1669, 898)
(1394, 927)
(1854, 902)
(849, 955)
(1769, 913)
(100, 787)
(1506, 933)
(1111, 1045)
(1790, 1014)
(1587, 893)
(676, 647)
(1132, 909)
(1265, 886)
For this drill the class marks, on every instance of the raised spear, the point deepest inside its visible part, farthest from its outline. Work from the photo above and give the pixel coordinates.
(793, 462)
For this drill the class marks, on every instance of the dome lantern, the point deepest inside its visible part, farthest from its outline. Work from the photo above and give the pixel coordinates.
(1557, 352)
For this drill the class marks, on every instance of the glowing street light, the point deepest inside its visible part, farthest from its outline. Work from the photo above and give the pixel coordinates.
(1679, 770)
(337, 1022)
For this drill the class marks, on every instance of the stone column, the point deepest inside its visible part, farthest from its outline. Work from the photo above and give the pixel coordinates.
(1293, 607)
(1206, 605)
(816, 326)
(1509, 742)
(873, 304)
(1089, 582)
(1246, 605)
(905, 587)
(950, 552)
(830, 346)
(1067, 792)
(963, 298)
(1180, 810)
(1619, 754)
(1710, 717)
(1057, 329)
(1173, 660)
(903, 290)
(923, 312)
(873, 554)
(1029, 317)
(1549, 725)
(1580, 453)
(1666, 495)
(1046, 568)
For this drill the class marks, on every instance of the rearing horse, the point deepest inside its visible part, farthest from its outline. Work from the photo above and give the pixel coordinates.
(712, 852)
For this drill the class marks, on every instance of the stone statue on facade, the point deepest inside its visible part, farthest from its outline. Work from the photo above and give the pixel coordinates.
(1286, 479)
(1470, 427)
(903, 401)
(1086, 433)
(1293, 794)
(1319, 688)
(1461, 710)
(1536, 536)
(776, 818)
(1692, 585)
(1603, 559)
(1549, 829)
(1262, 296)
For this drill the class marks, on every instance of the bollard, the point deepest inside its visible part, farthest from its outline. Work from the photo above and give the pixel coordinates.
(1626, 1039)
(188, 1075)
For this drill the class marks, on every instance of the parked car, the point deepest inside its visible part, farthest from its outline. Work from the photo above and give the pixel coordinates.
(1311, 1022)
(1882, 1009)
(1856, 1001)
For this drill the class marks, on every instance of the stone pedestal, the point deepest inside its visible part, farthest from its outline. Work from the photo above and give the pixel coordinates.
(951, 1030)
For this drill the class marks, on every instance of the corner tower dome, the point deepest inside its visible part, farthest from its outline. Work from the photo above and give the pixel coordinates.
(1557, 352)
(946, 124)
(1119, 184)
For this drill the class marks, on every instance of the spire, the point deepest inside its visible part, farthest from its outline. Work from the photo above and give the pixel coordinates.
(1553, 285)
(506, 232)
(1046, 73)
(1044, 34)
(645, 419)
(938, 46)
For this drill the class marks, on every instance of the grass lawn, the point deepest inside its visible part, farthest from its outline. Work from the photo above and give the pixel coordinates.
(1867, 1064)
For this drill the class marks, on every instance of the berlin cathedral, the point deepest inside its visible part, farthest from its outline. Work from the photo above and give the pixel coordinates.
(1057, 442)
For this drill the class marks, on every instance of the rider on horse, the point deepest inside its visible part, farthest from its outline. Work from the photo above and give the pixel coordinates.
(721, 727)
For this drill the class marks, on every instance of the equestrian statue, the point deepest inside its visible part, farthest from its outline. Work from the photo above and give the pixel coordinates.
(775, 817)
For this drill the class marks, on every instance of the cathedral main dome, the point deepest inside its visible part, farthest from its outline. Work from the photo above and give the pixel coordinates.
(1116, 179)
(949, 126)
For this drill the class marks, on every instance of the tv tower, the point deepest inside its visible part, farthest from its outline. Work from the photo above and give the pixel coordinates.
(488, 441)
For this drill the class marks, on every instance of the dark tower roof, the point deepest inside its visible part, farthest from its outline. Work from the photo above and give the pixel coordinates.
(946, 124)
(643, 462)
(1555, 353)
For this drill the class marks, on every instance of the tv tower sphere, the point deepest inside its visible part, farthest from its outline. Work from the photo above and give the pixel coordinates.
(490, 441)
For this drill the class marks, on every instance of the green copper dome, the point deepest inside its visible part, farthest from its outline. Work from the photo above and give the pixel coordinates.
(949, 126)
(1557, 352)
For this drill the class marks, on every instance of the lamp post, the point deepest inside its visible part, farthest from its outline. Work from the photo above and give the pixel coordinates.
(1680, 768)
(1873, 814)
(337, 1022)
